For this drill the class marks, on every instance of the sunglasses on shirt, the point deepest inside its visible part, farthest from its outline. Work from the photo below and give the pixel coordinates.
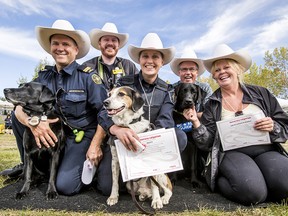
(238, 113)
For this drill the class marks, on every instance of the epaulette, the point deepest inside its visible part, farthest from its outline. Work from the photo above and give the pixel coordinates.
(46, 68)
(85, 69)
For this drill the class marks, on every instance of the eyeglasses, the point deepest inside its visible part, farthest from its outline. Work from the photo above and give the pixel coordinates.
(238, 113)
(192, 69)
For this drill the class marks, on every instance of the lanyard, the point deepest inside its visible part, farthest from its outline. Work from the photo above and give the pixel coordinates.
(148, 102)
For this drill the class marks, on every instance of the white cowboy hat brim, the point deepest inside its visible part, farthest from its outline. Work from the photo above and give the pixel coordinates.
(168, 53)
(223, 51)
(174, 65)
(96, 34)
(80, 37)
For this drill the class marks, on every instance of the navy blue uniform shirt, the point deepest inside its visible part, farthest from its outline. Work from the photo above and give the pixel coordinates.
(80, 93)
(157, 99)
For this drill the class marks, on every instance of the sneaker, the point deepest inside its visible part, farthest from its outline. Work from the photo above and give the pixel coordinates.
(13, 172)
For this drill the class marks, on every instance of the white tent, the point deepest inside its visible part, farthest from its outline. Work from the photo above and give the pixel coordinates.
(5, 106)
(283, 103)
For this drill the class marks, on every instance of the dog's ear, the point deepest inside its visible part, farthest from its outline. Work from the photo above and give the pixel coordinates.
(177, 89)
(175, 92)
(47, 97)
(200, 94)
(137, 101)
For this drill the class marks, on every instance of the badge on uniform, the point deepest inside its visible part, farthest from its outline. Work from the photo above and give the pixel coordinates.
(96, 79)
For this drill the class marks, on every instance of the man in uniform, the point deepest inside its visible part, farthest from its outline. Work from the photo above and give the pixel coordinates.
(110, 67)
(80, 93)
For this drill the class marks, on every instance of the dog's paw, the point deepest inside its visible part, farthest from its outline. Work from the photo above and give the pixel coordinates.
(52, 195)
(165, 199)
(20, 195)
(112, 201)
(157, 203)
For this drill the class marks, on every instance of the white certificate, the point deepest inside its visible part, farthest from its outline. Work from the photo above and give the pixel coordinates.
(161, 155)
(239, 132)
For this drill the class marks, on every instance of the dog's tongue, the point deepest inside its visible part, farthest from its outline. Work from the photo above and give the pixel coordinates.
(111, 111)
(114, 111)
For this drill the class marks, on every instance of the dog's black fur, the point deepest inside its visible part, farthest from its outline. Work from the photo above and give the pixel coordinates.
(188, 95)
(37, 100)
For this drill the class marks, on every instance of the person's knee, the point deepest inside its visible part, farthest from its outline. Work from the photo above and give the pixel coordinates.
(245, 194)
(67, 187)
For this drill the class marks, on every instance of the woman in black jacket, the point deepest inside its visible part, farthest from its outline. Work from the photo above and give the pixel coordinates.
(247, 174)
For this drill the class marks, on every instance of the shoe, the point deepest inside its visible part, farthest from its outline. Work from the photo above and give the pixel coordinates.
(13, 172)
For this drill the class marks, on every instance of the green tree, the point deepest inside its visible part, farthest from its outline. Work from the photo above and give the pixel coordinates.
(42, 63)
(273, 75)
(210, 81)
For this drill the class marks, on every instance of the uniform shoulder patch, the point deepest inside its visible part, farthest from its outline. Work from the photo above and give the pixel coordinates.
(46, 68)
(96, 79)
(85, 69)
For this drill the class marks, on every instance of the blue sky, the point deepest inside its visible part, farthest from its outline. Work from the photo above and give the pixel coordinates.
(257, 26)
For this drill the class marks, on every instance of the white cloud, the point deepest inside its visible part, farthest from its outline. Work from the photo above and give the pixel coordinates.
(270, 36)
(20, 43)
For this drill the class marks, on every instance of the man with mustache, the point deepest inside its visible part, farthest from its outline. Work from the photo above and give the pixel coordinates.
(110, 67)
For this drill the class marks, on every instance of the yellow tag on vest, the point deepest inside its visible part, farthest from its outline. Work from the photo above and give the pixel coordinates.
(117, 71)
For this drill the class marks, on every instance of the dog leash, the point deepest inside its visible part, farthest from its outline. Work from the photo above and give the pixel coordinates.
(135, 200)
(142, 210)
(79, 133)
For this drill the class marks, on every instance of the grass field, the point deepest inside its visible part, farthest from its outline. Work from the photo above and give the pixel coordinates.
(9, 157)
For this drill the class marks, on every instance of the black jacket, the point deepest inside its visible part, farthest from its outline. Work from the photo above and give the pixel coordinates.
(207, 138)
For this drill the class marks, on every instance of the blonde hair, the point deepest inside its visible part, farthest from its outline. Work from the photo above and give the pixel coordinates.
(234, 65)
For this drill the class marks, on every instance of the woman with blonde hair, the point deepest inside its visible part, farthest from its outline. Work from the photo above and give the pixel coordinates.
(247, 174)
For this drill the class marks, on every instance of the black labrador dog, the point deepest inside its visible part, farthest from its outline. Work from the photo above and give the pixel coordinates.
(188, 95)
(37, 102)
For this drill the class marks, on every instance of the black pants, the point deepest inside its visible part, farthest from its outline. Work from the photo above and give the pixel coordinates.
(18, 130)
(253, 175)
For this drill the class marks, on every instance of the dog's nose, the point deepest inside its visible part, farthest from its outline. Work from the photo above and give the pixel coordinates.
(188, 102)
(106, 103)
(6, 90)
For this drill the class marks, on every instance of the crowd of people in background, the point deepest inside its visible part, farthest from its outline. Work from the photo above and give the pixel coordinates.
(248, 175)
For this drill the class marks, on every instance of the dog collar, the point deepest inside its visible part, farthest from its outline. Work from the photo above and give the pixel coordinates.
(35, 120)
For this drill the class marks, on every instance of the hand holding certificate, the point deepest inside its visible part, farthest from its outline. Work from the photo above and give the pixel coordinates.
(161, 155)
(239, 132)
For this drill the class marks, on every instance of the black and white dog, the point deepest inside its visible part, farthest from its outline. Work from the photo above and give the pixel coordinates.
(125, 106)
(188, 95)
(37, 102)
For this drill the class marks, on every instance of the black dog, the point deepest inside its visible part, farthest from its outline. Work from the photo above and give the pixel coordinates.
(37, 102)
(188, 95)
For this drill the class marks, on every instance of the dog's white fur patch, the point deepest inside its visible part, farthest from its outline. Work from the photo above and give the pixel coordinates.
(122, 97)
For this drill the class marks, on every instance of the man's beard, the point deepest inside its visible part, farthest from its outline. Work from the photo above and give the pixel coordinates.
(109, 54)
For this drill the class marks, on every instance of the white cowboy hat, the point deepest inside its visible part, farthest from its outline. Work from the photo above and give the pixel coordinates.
(223, 51)
(188, 55)
(151, 42)
(107, 29)
(65, 28)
